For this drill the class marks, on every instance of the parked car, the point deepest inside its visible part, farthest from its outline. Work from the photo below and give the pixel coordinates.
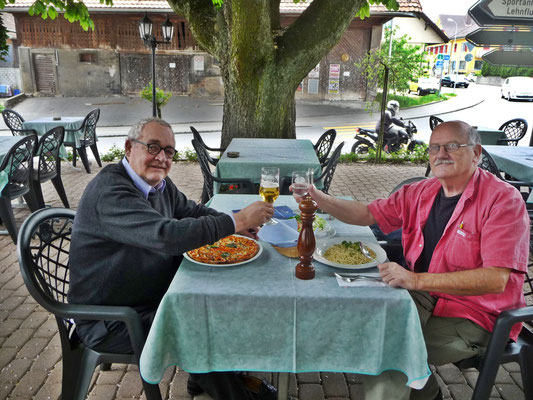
(517, 88)
(454, 81)
(424, 86)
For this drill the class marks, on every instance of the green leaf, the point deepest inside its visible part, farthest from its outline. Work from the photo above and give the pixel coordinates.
(52, 13)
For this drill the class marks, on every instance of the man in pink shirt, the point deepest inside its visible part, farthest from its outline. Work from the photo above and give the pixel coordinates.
(465, 235)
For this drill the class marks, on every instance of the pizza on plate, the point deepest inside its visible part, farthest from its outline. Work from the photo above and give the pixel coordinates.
(229, 250)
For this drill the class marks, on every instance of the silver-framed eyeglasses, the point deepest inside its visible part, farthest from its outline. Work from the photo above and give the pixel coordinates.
(154, 149)
(449, 147)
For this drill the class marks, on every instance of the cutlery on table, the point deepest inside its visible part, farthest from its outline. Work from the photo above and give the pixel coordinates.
(356, 277)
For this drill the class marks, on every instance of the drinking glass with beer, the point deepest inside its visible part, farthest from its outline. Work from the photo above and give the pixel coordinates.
(269, 187)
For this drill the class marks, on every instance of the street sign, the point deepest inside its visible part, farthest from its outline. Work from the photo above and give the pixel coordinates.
(438, 64)
(517, 58)
(511, 9)
(440, 56)
(498, 37)
(512, 14)
(446, 57)
(469, 57)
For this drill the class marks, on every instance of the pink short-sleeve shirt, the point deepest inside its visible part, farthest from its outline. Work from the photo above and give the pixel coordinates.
(489, 228)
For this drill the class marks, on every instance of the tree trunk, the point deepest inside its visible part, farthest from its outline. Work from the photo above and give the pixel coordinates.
(262, 62)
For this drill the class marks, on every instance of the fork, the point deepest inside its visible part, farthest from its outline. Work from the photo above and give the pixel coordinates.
(350, 279)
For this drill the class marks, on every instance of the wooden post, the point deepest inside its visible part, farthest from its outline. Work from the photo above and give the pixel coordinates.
(306, 240)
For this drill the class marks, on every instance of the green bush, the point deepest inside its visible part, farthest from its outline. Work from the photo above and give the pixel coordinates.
(413, 101)
(418, 155)
(505, 72)
(114, 154)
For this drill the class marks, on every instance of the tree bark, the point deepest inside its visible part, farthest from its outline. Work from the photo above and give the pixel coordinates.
(263, 63)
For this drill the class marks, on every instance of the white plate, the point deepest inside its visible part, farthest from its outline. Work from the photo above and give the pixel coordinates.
(185, 255)
(324, 244)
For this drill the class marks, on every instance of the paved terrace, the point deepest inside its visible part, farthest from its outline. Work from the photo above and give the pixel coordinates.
(30, 353)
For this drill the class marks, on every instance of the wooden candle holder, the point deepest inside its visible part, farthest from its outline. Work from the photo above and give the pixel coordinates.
(306, 240)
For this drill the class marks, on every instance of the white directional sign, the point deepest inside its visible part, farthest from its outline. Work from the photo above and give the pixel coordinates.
(520, 9)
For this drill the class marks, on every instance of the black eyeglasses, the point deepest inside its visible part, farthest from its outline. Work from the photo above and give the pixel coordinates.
(154, 149)
(449, 147)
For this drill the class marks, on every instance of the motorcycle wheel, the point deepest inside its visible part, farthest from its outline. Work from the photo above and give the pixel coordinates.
(360, 147)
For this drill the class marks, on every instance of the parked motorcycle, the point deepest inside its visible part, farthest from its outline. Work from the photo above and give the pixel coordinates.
(367, 139)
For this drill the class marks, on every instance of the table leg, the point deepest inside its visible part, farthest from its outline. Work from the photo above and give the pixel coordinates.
(283, 386)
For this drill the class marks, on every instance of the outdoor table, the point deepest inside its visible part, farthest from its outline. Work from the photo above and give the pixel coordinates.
(43, 125)
(490, 136)
(516, 161)
(287, 154)
(6, 143)
(259, 317)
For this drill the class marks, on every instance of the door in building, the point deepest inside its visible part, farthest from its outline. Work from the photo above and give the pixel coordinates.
(44, 73)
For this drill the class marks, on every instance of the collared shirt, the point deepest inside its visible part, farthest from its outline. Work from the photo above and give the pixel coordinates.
(488, 228)
(146, 189)
(140, 183)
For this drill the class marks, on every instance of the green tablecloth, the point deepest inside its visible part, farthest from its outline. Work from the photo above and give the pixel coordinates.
(287, 154)
(6, 142)
(490, 136)
(516, 161)
(43, 125)
(259, 317)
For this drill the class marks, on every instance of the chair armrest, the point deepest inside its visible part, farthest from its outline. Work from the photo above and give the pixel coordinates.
(220, 149)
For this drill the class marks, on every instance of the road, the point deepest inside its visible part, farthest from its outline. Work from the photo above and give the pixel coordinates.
(312, 118)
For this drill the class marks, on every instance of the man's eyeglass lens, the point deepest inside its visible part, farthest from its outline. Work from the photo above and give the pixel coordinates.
(154, 149)
(449, 147)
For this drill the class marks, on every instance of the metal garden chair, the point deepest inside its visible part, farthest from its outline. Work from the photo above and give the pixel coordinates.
(433, 122)
(88, 130)
(242, 185)
(43, 254)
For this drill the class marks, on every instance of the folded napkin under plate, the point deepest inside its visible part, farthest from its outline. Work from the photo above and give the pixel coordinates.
(280, 212)
(283, 234)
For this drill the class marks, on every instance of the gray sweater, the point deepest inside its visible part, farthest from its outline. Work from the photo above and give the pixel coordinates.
(126, 249)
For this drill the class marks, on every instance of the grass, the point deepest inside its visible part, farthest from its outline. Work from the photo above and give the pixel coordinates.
(413, 101)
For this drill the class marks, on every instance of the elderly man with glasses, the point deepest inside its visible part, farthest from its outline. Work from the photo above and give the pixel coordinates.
(465, 235)
(130, 231)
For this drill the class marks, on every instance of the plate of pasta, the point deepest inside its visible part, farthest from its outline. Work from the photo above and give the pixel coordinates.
(345, 252)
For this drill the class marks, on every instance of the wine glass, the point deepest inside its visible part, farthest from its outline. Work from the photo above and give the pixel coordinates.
(301, 180)
(269, 187)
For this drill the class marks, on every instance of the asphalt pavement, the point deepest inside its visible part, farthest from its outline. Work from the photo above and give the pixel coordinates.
(118, 113)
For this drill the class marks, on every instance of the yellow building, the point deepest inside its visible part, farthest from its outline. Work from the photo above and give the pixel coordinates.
(458, 55)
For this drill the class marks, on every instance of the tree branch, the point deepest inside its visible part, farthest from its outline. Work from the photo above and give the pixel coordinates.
(314, 33)
(202, 16)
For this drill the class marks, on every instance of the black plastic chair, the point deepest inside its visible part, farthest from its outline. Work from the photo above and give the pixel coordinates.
(326, 177)
(88, 128)
(13, 121)
(434, 121)
(243, 186)
(198, 138)
(514, 129)
(49, 165)
(18, 164)
(501, 350)
(43, 254)
(324, 144)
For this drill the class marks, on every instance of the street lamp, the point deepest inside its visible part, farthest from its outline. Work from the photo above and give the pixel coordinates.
(145, 30)
(454, 38)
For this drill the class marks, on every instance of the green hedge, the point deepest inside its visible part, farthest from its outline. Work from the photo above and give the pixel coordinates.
(505, 72)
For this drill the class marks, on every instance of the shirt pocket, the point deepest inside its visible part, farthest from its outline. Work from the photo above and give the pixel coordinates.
(411, 242)
(463, 250)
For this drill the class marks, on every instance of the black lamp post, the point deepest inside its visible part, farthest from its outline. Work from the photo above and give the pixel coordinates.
(145, 30)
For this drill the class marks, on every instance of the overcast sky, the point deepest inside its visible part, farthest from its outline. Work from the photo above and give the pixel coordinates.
(432, 8)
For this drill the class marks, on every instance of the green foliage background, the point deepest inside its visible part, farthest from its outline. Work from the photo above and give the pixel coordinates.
(505, 72)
